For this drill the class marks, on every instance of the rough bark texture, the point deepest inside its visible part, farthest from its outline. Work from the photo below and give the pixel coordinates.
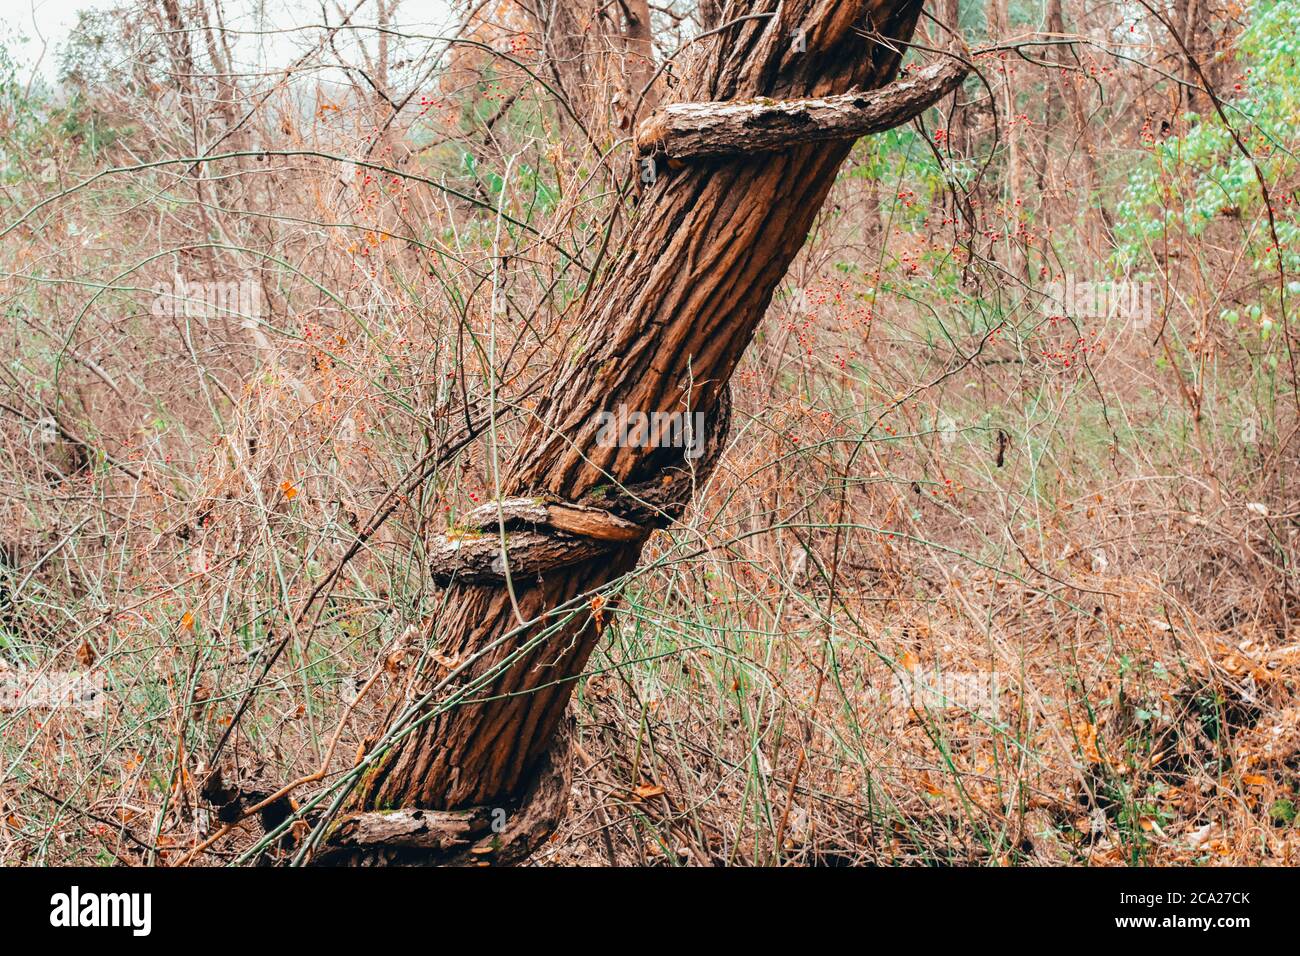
(541, 534)
(694, 130)
(666, 329)
(500, 835)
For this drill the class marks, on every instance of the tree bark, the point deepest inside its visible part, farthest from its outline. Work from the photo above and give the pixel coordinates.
(640, 64)
(693, 130)
(667, 326)
(709, 13)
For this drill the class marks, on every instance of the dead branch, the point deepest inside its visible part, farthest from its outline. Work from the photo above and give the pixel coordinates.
(699, 130)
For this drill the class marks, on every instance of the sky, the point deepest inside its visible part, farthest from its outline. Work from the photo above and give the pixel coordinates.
(52, 20)
(44, 25)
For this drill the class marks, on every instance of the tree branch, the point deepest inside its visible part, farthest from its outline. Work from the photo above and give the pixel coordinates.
(698, 130)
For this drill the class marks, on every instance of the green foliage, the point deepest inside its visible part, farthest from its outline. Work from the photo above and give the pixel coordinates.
(1208, 168)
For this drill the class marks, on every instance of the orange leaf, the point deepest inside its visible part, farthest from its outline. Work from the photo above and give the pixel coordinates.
(646, 791)
(1087, 734)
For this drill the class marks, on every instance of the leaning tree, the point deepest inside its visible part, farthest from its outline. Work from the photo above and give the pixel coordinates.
(736, 173)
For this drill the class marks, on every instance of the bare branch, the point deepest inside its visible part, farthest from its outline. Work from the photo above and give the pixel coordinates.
(698, 130)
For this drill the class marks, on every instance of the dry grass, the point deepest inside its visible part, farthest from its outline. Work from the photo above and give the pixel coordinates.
(926, 475)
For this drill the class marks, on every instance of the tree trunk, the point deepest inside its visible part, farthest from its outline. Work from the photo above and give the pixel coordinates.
(709, 13)
(666, 326)
(1090, 201)
(640, 61)
(600, 55)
